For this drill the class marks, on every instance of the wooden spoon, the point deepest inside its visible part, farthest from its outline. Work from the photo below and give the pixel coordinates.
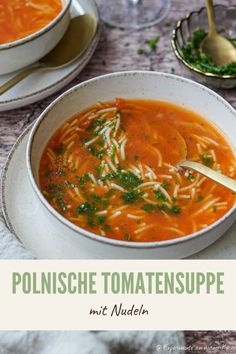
(76, 40)
(220, 49)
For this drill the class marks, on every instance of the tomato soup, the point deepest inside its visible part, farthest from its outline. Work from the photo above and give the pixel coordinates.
(111, 169)
(20, 18)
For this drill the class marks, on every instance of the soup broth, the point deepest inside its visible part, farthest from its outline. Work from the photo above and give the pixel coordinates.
(111, 169)
(20, 18)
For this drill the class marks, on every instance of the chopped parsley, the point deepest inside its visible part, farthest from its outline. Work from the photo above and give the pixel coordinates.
(152, 43)
(192, 55)
(56, 193)
(86, 208)
(191, 177)
(128, 179)
(131, 197)
(166, 186)
(200, 198)
(106, 227)
(61, 204)
(207, 160)
(101, 219)
(83, 179)
(69, 184)
(160, 196)
(140, 51)
(148, 208)
(95, 152)
(175, 209)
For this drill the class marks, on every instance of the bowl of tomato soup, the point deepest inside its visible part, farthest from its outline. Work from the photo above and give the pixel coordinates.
(102, 159)
(29, 29)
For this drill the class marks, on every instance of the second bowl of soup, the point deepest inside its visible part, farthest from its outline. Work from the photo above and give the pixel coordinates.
(104, 164)
(29, 30)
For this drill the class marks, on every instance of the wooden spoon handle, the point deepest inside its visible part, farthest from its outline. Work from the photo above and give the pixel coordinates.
(17, 78)
(211, 16)
(208, 172)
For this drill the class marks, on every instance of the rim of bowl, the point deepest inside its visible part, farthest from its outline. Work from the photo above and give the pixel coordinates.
(93, 236)
(40, 32)
(181, 58)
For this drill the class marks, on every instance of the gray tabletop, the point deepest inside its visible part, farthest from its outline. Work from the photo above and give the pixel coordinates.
(117, 51)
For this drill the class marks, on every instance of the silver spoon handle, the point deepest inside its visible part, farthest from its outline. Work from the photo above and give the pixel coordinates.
(17, 78)
(208, 172)
(211, 16)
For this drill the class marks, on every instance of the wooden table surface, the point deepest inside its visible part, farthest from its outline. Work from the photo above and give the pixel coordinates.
(117, 51)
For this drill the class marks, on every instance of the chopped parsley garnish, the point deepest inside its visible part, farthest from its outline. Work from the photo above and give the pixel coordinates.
(192, 55)
(166, 186)
(95, 152)
(136, 157)
(175, 209)
(101, 200)
(161, 207)
(86, 208)
(160, 196)
(131, 197)
(55, 191)
(207, 160)
(83, 179)
(200, 198)
(128, 179)
(140, 51)
(69, 184)
(106, 227)
(96, 123)
(110, 193)
(174, 199)
(191, 177)
(61, 204)
(109, 25)
(152, 43)
(148, 208)
(101, 219)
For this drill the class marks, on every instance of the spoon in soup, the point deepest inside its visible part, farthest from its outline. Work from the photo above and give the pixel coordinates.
(204, 170)
(75, 41)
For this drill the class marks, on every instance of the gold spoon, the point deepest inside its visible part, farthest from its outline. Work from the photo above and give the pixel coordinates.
(204, 170)
(220, 49)
(79, 34)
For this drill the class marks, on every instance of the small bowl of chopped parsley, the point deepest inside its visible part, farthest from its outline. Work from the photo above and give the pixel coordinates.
(186, 40)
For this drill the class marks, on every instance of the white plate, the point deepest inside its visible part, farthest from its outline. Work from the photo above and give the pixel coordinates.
(41, 85)
(24, 216)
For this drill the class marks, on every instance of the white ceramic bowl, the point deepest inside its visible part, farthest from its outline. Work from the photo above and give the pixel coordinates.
(134, 84)
(28, 50)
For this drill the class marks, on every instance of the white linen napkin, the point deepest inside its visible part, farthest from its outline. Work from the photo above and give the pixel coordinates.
(82, 342)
